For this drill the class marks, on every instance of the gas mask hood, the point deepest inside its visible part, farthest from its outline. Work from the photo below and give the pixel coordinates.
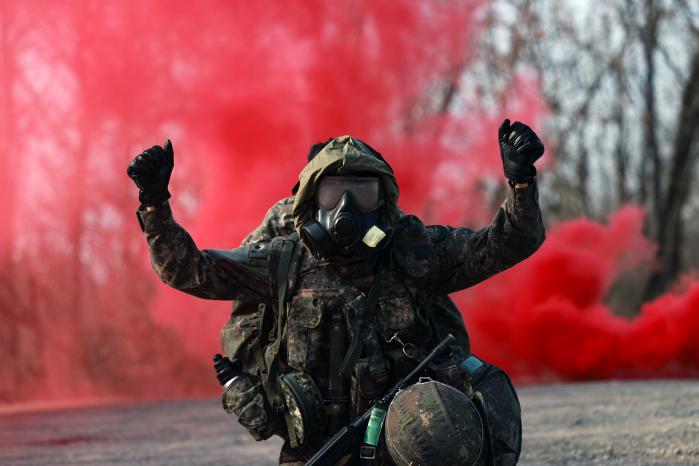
(346, 221)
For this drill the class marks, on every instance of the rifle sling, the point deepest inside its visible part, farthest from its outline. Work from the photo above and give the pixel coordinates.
(357, 345)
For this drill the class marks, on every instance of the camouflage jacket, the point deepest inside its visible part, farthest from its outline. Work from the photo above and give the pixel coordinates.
(240, 331)
(425, 263)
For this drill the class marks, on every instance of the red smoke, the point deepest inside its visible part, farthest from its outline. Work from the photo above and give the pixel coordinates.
(551, 321)
(243, 89)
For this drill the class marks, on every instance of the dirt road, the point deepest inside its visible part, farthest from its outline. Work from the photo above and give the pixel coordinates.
(610, 423)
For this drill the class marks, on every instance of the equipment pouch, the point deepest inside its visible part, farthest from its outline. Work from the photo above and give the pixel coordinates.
(451, 374)
(370, 385)
(305, 415)
(304, 329)
(244, 398)
(500, 405)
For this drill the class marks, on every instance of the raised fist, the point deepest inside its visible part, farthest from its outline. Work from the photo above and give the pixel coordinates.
(520, 147)
(151, 171)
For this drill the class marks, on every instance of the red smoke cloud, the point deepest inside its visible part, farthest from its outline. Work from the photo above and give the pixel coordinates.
(243, 89)
(551, 320)
(555, 292)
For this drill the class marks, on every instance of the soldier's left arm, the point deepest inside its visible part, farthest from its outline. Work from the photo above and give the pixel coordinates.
(467, 257)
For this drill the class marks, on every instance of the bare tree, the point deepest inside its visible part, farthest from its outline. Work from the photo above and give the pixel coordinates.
(682, 169)
(621, 80)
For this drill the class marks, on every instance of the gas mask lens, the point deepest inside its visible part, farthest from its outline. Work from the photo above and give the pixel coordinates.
(363, 189)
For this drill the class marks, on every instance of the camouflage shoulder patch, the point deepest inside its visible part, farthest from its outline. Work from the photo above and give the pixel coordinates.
(436, 233)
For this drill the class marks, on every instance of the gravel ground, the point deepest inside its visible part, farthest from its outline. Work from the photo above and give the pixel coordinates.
(611, 423)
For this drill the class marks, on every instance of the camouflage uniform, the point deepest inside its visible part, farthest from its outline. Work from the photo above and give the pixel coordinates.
(278, 221)
(425, 263)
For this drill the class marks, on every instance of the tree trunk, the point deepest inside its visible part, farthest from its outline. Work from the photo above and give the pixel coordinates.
(651, 152)
(620, 153)
(684, 154)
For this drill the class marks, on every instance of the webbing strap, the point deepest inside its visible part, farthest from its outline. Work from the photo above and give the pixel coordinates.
(283, 268)
(283, 273)
(293, 438)
(357, 345)
(257, 349)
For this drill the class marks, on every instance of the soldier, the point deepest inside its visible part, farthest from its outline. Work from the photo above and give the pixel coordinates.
(347, 301)
(278, 221)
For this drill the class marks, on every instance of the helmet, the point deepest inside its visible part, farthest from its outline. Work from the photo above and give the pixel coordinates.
(431, 423)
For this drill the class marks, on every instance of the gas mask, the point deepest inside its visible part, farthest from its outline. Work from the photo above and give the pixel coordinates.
(348, 220)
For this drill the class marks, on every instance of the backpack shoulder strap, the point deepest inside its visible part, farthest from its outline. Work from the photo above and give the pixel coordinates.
(282, 252)
(284, 261)
(282, 268)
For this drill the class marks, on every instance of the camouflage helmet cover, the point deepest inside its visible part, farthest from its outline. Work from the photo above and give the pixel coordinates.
(431, 423)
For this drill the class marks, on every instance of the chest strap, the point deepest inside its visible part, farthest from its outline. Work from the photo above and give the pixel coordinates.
(359, 321)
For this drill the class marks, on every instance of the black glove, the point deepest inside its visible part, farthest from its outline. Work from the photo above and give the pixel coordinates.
(151, 171)
(520, 147)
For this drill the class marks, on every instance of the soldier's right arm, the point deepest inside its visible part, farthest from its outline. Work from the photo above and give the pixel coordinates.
(240, 274)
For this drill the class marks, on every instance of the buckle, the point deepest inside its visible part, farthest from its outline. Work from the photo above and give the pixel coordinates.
(367, 452)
